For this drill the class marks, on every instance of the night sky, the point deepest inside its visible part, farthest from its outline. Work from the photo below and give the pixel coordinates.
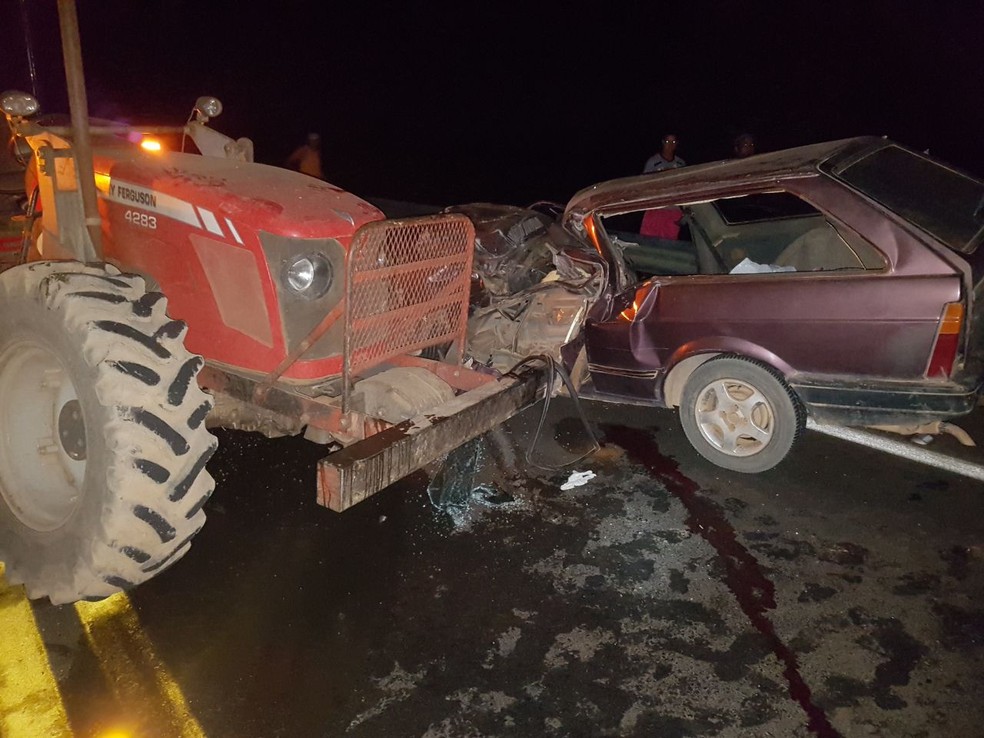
(517, 102)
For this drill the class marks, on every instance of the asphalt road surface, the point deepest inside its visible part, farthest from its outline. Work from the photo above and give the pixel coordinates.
(837, 595)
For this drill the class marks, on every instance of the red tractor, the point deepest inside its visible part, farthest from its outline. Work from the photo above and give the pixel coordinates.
(312, 312)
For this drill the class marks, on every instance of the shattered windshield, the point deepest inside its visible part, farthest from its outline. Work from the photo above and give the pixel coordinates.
(941, 201)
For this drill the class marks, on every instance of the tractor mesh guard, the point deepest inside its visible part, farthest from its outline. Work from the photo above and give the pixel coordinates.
(408, 283)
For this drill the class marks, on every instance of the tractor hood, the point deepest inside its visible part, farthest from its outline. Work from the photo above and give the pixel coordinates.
(254, 196)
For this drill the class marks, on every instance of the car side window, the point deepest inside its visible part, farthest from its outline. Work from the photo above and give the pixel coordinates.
(654, 242)
(762, 233)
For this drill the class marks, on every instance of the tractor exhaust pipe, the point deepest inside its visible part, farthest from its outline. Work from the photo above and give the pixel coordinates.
(68, 20)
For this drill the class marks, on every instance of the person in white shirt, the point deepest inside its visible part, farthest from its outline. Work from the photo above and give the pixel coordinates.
(665, 158)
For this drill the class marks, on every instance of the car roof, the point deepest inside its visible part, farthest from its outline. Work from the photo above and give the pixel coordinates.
(739, 173)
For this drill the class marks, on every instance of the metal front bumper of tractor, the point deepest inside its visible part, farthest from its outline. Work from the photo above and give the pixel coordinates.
(356, 472)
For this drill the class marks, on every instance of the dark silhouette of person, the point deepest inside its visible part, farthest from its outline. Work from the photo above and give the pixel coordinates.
(307, 158)
(744, 145)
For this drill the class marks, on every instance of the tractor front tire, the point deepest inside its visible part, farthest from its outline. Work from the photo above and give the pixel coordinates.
(103, 443)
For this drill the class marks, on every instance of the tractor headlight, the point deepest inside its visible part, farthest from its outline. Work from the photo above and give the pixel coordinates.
(308, 276)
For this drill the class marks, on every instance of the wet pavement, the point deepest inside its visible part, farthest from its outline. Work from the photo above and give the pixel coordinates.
(838, 595)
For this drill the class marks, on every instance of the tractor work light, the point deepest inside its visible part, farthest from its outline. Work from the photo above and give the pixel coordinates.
(18, 104)
(207, 107)
(308, 276)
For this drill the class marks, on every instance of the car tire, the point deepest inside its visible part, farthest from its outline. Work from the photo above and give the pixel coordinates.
(102, 459)
(740, 414)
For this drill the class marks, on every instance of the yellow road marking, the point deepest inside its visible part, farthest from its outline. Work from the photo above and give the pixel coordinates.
(140, 682)
(30, 703)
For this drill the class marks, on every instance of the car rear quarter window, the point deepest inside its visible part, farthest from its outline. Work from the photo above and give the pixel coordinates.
(941, 201)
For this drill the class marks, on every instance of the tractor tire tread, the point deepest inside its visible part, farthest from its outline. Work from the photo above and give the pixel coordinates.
(155, 477)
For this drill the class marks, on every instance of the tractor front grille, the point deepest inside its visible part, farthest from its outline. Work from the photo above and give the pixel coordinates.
(407, 288)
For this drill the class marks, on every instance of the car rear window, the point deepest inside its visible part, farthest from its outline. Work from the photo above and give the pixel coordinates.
(941, 201)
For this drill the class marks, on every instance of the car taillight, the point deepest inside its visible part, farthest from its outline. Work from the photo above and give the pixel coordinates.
(947, 341)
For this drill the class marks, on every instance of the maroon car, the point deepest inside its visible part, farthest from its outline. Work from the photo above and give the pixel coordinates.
(838, 281)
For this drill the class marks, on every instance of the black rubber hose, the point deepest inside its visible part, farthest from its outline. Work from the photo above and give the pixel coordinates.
(553, 370)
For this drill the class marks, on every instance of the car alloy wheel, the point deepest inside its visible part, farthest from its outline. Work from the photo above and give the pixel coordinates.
(740, 414)
(734, 417)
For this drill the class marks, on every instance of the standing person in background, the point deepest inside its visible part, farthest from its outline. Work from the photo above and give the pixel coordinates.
(307, 158)
(666, 158)
(663, 222)
(744, 145)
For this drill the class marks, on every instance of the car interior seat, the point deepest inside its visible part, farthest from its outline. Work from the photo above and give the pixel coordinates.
(708, 259)
(819, 249)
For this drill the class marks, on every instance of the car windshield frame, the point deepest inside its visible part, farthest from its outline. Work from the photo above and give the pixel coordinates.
(898, 179)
